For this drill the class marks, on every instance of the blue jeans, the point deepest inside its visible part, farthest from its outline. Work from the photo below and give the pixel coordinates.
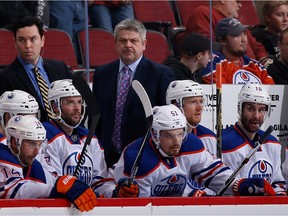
(68, 16)
(105, 17)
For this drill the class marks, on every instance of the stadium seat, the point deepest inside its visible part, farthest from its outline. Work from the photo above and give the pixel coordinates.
(58, 46)
(185, 8)
(248, 14)
(157, 48)
(101, 47)
(7, 48)
(177, 34)
(155, 15)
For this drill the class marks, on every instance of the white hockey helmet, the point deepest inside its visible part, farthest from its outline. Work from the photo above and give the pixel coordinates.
(167, 117)
(179, 89)
(254, 93)
(17, 102)
(59, 89)
(24, 127)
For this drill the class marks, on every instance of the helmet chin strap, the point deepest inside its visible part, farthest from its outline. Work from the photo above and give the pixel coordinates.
(17, 155)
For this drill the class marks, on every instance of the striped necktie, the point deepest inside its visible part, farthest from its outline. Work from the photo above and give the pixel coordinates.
(43, 87)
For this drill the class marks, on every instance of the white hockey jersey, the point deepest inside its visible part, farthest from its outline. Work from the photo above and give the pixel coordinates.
(265, 163)
(285, 166)
(207, 137)
(18, 182)
(158, 176)
(63, 153)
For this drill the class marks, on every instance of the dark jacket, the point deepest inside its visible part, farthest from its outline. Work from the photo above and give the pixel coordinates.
(181, 71)
(154, 77)
(15, 77)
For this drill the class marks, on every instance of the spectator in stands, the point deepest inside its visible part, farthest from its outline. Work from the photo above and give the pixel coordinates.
(171, 158)
(278, 69)
(12, 11)
(199, 22)
(107, 14)
(275, 14)
(68, 16)
(25, 176)
(20, 74)
(194, 55)
(254, 105)
(112, 86)
(231, 61)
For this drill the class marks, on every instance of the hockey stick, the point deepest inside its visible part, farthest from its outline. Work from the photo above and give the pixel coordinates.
(93, 110)
(245, 161)
(149, 120)
(219, 110)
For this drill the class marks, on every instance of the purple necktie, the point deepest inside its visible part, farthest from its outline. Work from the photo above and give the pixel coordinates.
(120, 103)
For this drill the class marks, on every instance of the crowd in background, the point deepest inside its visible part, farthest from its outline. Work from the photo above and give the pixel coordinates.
(241, 54)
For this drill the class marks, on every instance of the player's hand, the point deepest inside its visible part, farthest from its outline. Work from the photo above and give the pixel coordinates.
(77, 192)
(126, 189)
(197, 193)
(253, 187)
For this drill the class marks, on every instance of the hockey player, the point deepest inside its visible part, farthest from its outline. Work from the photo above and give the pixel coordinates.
(66, 139)
(171, 157)
(254, 105)
(22, 176)
(15, 102)
(188, 96)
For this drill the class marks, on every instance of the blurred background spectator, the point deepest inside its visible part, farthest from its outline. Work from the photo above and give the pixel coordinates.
(275, 14)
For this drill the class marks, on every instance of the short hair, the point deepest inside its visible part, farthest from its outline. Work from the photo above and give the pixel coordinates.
(130, 25)
(270, 6)
(27, 22)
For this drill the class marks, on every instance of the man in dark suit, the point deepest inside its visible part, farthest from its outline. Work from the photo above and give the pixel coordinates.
(130, 38)
(29, 40)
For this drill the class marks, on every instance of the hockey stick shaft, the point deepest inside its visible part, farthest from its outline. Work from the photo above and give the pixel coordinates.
(149, 119)
(94, 112)
(245, 161)
(219, 110)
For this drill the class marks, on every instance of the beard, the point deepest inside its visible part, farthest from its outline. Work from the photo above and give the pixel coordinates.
(70, 121)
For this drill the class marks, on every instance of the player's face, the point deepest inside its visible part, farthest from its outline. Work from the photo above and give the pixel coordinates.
(278, 19)
(29, 150)
(130, 46)
(193, 108)
(283, 46)
(71, 108)
(237, 45)
(232, 7)
(28, 43)
(171, 141)
(253, 116)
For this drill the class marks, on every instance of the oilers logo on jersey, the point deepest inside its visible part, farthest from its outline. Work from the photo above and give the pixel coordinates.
(86, 168)
(262, 169)
(172, 185)
(244, 76)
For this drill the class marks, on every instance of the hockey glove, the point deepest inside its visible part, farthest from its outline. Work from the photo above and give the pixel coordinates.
(197, 193)
(253, 187)
(125, 189)
(76, 192)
